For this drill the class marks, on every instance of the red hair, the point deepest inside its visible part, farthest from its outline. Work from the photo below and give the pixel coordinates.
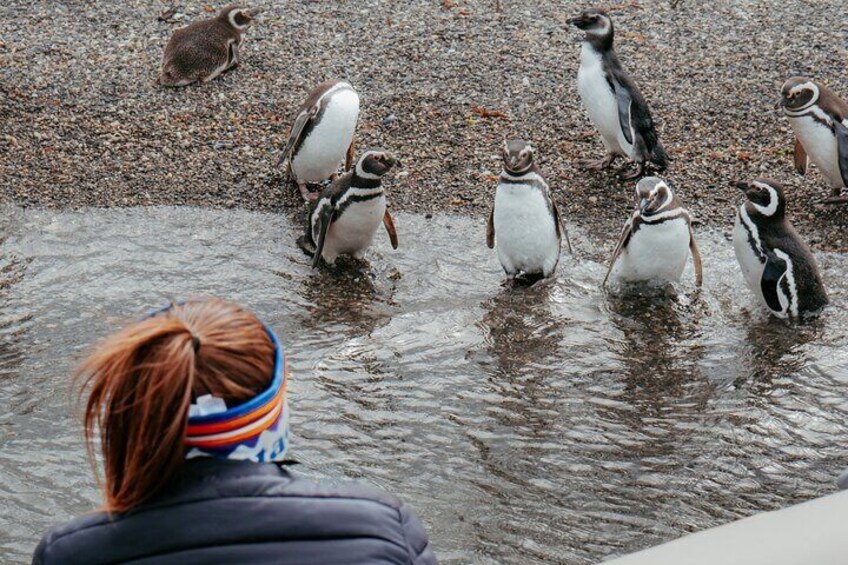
(142, 380)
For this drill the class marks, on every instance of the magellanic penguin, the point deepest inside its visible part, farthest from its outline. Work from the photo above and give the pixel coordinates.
(344, 218)
(819, 119)
(203, 50)
(777, 265)
(525, 218)
(656, 239)
(615, 105)
(322, 135)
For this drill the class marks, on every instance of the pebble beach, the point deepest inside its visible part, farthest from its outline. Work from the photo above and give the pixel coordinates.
(443, 82)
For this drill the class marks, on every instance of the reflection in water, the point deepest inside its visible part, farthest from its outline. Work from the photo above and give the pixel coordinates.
(550, 424)
(774, 348)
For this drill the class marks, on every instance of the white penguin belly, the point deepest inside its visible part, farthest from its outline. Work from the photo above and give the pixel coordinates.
(599, 100)
(326, 145)
(655, 253)
(525, 231)
(749, 262)
(353, 231)
(821, 147)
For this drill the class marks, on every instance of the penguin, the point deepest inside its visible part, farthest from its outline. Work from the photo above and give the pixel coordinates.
(344, 218)
(525, 218)
(657, 238)
(322, 136)
(205, 49)
(777, 265)
(819, 119)
(615, 105)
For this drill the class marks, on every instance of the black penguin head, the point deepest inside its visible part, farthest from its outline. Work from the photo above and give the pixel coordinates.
(654, 196)
(237, 17)
(375, 164)
(798, 93)
(597, 25)
(517, 156)
(764, 198)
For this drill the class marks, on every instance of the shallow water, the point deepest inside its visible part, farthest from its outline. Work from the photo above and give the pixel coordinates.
(552, 424)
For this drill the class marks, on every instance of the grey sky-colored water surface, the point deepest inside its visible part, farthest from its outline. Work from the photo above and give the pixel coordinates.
(544, 425)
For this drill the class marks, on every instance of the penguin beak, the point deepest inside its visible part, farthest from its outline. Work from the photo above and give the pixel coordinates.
(393, 162)
(742, 185)
(780, 104)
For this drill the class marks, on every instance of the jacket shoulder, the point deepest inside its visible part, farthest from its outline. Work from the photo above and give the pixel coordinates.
(284, 514)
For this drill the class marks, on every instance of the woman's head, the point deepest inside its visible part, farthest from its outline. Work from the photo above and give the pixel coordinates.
(142, 380)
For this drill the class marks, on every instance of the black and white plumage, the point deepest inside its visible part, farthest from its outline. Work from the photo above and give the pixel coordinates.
(322, 135)
(819, 119)
(524, 218)
(657, 238)
(203, 50)
(345, 217)
(777, 265)
(615, 105)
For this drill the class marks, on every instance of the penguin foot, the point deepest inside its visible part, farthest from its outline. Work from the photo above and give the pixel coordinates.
(306, 246)
(635, 173)
(598, 164)
(837, 199)
(308, 195)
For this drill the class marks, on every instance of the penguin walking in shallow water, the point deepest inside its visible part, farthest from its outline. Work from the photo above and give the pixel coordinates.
(345, 217)
(322, 136)
(203, 50)
(819, 119)
(616, 107)
(656, 240)
(777, 265)
(524, 219)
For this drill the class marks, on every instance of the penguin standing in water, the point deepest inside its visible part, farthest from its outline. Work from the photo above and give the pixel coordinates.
(203, 50)
(656, 240)
(819, 119)
(345, 217)
(322, 136)
(524, 217)
(777, 265)
(615, 105)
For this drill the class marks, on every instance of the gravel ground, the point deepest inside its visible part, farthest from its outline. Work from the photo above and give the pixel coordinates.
(442, 83)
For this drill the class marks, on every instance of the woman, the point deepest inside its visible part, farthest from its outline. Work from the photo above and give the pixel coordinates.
(189, 406)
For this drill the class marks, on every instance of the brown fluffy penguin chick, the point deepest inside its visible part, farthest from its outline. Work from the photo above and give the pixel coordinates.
(203, 50)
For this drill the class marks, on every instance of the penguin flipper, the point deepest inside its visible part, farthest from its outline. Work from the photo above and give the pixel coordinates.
(696, 258)
(635, 121)
(560, 226)
(622, 241)
(390, 228)
(841, 131)
(324, 221)
(624, 98)
(800, 157)
(490, 230)
(295, 133)
(773, 274)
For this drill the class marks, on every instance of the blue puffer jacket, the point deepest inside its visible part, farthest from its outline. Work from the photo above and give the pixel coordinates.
(243, 512)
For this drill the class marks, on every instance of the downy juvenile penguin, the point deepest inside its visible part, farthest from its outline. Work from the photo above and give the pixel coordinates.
(657, 238)
(345, 217)
(322, 135)
(524, 218)
(777, 265)
(819, 119)
(615, 105)
(203, 50)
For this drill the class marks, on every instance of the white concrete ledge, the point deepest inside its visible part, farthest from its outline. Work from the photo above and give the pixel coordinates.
(815, 532)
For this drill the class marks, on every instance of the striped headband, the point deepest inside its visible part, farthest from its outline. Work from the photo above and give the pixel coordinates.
(256, 430)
